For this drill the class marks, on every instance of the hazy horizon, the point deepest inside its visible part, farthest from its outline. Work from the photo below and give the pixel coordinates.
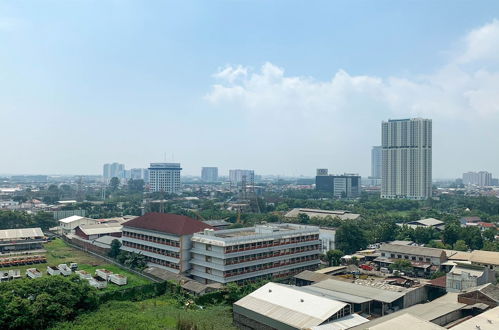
(278, 87)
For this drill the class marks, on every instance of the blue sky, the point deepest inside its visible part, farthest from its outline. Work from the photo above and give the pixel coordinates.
(283, 87)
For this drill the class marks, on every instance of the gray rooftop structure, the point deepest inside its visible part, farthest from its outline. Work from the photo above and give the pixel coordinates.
(414, 250)
(357, 290)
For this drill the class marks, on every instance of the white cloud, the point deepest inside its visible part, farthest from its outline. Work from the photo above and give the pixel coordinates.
(344, 113)
(481, 44)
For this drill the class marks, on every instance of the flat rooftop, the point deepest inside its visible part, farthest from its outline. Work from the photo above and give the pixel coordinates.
(256, 233)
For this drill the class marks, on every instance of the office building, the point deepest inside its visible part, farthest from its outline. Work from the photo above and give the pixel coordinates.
(164, 239)
(263, 251)
(209, 174)
(406, 159)
(164, 177)
(340, 186)
(236, 177)
(481, 179)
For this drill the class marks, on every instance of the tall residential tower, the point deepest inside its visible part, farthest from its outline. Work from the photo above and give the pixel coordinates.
(164, 177)
(406, 158)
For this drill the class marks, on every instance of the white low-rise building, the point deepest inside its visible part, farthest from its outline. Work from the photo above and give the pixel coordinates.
(69, 224)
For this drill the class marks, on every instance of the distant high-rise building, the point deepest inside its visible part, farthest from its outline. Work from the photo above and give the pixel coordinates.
(406, 159)
(209, 174)
(322, 171)
(136, 174)
(164, 177)
(114, 170)
(376, 161)
(145, 175)
(236, 177)
(482, 178)
(341, 186)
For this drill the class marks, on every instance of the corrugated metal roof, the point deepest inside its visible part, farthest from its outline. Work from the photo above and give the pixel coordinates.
(485, 257)
(340, 296)
(311, 276)
(345, 322)
(359, 290)
(288, 305)
(405, 321)
(23, 233)
(71, 219)
(101, 228)
(488, 320)
(417, 250)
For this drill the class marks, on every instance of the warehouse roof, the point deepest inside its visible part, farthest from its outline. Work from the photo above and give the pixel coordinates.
(167, 223)
(101, 228)
(357, 290)
(488, 320)
(71, 219)
(430, 311)
(416, 250)
(311, 276)
(485, 257)
(404, 321)
(343, 215)
(430, 222)
(342, 323)
(340, 296)
(288, 305)
(23, 233)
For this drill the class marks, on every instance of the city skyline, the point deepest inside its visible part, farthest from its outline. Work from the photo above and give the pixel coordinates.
(118, 89)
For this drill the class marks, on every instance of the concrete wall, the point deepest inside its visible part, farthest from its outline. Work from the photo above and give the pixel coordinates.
(415, 296)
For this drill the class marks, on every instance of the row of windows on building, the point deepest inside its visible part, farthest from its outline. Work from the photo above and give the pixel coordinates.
(167, 253)
(264, 255)
(153, 239)
(268, 265)
(265, 244)
(162, 262)
(400, 256)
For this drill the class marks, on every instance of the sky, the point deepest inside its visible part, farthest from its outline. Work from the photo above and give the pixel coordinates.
(281, 87)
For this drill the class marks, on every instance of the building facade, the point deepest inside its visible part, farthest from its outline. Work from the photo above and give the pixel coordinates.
(237, 255)
(482, 178)
(209, 174)
(164, 177)
(113, 170)
(406, 159)
(164, 239)
(376, 162)
(341, 186)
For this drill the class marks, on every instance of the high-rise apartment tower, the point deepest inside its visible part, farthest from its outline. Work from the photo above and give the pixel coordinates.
(406, 158)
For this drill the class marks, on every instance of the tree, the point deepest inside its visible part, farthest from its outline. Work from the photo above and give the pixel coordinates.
(451, 234)
(136, 186)
(473, 237)
(114, 184)
(401, 265)
(115, 248)
(303, 218)
(490, 234)
(39, 303)
(333, 257)
(350, 237)
(460, 245)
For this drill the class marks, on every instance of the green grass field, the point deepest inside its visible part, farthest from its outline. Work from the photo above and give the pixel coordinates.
(58, 252)
(157, 313)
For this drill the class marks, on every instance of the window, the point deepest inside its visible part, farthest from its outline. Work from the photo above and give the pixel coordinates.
(208, 247)
(207, 259)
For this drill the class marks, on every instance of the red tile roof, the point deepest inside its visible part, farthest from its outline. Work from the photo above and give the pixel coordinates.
(439, 281)
(485, 224)
(167, 223)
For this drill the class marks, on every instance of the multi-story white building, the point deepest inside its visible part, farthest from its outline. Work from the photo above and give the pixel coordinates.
(237, 255)
(164, 239)
(406, 159)
(482, 178)
(113, 170)
(164, 177)
(236, 177)
(209, 174)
